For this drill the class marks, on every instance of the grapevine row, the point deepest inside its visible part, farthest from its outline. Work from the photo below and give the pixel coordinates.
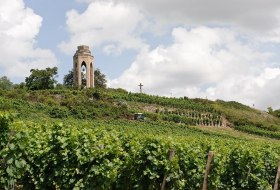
(57, 156)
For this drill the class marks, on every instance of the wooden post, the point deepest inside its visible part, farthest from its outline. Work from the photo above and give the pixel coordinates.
(208, 166)
(277, 177)
(171, 155)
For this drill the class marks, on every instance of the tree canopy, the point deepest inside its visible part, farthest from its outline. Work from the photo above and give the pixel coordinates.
(41, 79)
(277, 113)
(99, 79)
(5, 83)
(68, 79)
(274, 112)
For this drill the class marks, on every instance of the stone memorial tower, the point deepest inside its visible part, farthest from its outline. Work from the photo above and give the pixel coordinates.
(83, 58)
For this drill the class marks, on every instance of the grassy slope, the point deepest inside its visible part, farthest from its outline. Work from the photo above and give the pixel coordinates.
(113, 105)
(240, 114)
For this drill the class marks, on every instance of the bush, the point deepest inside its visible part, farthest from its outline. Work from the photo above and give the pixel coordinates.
(5, 120)
(61, 112)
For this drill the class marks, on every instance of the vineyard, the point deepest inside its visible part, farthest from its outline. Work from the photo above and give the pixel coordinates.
(67, 139)
(102, 156)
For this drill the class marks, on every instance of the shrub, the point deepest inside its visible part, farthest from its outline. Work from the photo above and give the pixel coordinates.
(61, 112)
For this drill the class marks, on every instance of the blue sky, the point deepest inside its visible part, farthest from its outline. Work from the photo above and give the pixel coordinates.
(197, 48)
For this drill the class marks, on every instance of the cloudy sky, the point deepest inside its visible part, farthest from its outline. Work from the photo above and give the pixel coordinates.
(213, 49)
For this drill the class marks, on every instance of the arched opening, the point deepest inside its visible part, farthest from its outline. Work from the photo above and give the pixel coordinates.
(84, 74)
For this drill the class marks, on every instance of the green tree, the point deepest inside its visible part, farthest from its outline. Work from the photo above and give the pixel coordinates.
(68, 79)
(5, 83)
(277, 113)
(270, 110)
(41, 79)
(20, 86)
(99, 79)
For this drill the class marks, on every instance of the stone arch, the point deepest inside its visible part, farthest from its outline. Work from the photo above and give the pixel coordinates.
(83, 73)
(83, 58)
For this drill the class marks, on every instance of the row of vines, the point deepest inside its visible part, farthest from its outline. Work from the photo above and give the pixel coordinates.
(183, 103)
(191, 117)
(57, 156)
(181, 110)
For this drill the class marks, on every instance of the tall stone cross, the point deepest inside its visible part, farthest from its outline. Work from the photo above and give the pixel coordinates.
(140, 85)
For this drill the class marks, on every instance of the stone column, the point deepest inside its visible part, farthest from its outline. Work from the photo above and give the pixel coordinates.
(83, 55)
(91, 75)
(79, 73)
(88, 75)
(74, 72)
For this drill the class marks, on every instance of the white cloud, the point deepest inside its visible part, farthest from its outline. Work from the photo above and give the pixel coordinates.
(114, 25)
(270, 93)
(254, 14)
(205, 62)
(262, 90)
(19, 26)
(256, 17)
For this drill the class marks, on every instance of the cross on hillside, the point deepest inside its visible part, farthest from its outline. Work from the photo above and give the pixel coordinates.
(140, 85)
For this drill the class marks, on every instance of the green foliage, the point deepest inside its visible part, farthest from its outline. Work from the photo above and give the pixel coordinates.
(68, 79)
(240, 115)
(41, 79)
(5, 83)
(98, 148)
(102, 156)
(260, 131)
(270, 110)
(20, 86)
(5, 120)
(57, 112)
(277, 113)
(110, 103)
(99, 79)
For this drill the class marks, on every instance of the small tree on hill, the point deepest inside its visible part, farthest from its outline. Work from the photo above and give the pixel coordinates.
(270, 110)
(277, 113)
(41, 79)
(68, 79)
(5, 83)
(19, 86)
(99, 79)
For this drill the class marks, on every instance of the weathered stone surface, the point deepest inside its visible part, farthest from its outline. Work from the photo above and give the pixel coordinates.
(81, 58)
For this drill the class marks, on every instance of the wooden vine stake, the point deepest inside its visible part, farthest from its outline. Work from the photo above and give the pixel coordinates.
(208, 166)
(276, 185)
(171, 155)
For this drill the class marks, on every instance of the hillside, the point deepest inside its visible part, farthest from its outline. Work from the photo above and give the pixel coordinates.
(90, 139)
(119, 104)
